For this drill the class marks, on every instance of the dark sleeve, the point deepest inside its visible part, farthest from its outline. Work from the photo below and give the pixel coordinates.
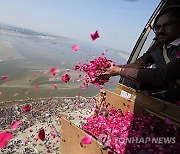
(155, 76)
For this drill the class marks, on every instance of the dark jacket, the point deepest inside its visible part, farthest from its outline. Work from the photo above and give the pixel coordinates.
(163, 76)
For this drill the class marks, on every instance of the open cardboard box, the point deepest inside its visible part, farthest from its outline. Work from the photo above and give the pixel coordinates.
(124, 98)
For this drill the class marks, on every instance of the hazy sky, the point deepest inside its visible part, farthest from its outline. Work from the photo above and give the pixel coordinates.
(119, 22)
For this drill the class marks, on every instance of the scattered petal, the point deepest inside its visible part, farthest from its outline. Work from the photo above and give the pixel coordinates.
(15, 125)
(5, 137)
(103, 53)
(45, 73)
(36, 88)
(65, 78)
(26, 108)
(55, 86)
(53, 71)
(5, 78)
(94, 35)
(78, 80)
(41, 134)
(34, 75)
(86, 140)
(75, 47)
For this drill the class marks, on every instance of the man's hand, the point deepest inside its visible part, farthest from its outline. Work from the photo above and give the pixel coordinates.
(111, 71)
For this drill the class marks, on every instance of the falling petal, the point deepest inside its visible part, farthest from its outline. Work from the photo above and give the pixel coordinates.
(78, 80)
(45, 73)
(86, 140)
(36, 88)
(76, 105)
(5, 137)
(103, 53)
(34, 75)
(51, 79)
(26, 108)
(75, 47)
(55, 86)
(5, 78)
(41, 134)
(53, 71)
(65, 78)
(15, 125)
(94, 35)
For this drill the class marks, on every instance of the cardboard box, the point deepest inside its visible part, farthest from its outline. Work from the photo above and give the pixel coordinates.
(124, 98)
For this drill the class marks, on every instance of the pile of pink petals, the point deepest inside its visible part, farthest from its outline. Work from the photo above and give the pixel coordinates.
(93, 70)
(114, 128)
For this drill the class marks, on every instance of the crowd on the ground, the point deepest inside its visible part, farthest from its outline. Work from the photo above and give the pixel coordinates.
(42, 113)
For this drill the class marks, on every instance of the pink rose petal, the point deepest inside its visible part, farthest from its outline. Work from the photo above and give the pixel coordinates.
(55, 86)
(78, 80)
(5, 137)
(36, 88)
(94, 35)
(34, 75)
(75, 47)
(103, 53)
(15, 125)
(53, 71)
(26, 108)
(76, 105)
(41, 134)
(65, 78)
(45, 73)
(5, 78)
(86, 140)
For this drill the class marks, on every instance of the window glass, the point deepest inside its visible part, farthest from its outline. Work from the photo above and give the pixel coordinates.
(147, 43)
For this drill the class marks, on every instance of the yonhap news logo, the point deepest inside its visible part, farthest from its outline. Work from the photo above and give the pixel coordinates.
(152, 140)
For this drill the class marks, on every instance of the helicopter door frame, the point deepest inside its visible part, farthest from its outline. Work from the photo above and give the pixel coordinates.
(144, 34)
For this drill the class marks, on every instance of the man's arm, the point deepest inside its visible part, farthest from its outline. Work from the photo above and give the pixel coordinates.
(155, 76)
